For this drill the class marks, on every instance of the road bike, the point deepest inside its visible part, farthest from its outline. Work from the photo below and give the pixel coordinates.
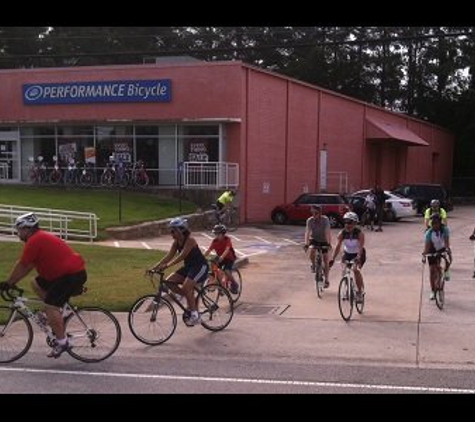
(320, 279)
(93, 333)
(217, 275)
(228, 216)
(153, 319)
(439, 281)
(347, 292)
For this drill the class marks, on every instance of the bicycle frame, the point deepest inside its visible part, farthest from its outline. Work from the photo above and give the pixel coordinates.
(439, 282)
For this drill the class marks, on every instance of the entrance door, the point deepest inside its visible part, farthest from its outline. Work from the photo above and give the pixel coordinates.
(9, 163)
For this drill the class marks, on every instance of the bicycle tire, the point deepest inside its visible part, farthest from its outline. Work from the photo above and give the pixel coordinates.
(86, 179)
(210, 219)
(94, 334)
(319, 276)
(217, 307)
(230, 220)
(16, 340)
(238, 279)
(144, 324)
(360, 305)
(345, 299)
(439, 292)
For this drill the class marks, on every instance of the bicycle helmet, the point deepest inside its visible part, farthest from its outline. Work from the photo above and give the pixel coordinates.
(435, 203)
(219, 229)
(351, 216)
(178, 223)
(27, 220)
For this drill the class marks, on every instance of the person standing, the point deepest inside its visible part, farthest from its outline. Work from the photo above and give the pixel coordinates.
(380, 200)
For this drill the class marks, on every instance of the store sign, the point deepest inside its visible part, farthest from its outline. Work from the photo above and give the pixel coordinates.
(137, 91)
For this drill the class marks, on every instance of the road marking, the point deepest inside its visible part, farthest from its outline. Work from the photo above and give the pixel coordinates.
(291, 241)
(256, 253)
(384, 387)
(239, 252)
(207, 235)
(234, 237)
(146, 245)
(262, 239)
(117, 244)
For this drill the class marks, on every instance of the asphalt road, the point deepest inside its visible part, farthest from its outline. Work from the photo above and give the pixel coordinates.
(283, 339)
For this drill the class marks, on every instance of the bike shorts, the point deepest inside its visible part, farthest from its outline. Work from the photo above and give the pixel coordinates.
(226, 265)
(350, 256)
(219, 205)
(59, 291)
(323, 245)
(197, 273)
(434, 260)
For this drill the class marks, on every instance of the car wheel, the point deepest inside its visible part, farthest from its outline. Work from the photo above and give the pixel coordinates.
(279, 218)
(334, 221)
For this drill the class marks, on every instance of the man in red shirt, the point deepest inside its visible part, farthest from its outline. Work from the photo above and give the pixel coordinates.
(61, 273)
(223, 247)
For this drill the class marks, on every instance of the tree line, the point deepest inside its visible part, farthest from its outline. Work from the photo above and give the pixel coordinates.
(426, 72)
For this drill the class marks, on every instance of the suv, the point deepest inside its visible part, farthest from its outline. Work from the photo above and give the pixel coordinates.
(334, 206)
(423, 193)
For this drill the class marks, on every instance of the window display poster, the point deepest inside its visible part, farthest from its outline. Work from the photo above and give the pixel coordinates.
(198, 151)
(90, 155)
(122, 152)
(67, 151)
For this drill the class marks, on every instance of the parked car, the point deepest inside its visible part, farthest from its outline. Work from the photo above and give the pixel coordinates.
(396, 206)
(333, 206)
(423, 193)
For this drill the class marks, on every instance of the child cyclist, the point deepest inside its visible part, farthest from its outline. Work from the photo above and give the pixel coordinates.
(226, 256)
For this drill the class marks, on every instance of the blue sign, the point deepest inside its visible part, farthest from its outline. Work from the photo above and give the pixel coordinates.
(137, 91)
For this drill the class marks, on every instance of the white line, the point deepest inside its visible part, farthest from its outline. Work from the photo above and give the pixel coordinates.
(206, 235)
(239, 252)
(257, 253)
(262, 239)
(246, 380)
(235, 237)
(117, 244)
(291, 241)
(146, 245)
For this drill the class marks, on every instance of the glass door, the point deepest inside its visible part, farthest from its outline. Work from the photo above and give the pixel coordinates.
(9, 164)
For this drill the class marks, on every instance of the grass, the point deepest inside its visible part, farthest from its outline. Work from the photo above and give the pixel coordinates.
(136, 207)
(115, 276)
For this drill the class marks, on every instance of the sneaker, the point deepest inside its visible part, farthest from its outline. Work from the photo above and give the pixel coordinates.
(194, 319)
(432, 296)
(234, 288)
(312, 268)
(58, 350)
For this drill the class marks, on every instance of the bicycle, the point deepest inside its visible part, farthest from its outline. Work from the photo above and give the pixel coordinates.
(228, 216)
(320, 279)
(217, 275)
(440, 278)
(347, 291)
(152, 318)
(93, 333)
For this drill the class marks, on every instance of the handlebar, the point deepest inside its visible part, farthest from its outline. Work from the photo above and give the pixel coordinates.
(8, 297)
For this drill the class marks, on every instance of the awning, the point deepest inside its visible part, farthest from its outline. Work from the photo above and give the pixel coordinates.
(379, 129)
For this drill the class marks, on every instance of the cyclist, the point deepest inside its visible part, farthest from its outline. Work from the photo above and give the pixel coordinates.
(225, 200)
(223, 247)
(318, 234)
(61, 273)
(434, 208)
(195, 269)
(437, 239)
(352, 239)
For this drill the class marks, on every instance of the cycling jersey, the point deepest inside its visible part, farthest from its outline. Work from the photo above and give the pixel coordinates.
(318, 228)
(351, 242)
(429, 211)
(226, 198)
(220, 245)
(437, 238)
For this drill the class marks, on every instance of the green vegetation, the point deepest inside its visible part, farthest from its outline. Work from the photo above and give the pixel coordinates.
(115, 276)
(136, 207)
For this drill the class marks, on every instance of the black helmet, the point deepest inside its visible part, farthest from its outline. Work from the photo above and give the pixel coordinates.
(219, 229)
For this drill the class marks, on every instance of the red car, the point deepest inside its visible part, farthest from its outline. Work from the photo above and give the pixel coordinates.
(334, 206)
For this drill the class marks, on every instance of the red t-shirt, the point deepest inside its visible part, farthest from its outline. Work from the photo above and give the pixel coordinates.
(51, 256)
(220, 245)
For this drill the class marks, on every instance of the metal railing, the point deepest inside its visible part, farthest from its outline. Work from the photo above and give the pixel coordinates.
(3, 170)
(337, 181)
(210, 174)
(63, 223)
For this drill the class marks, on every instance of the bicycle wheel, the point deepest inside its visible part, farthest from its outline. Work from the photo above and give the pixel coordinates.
(16, 334)
(440, 293)
(94, 334)
(360, 305)
(230, 220)
(210, 219)
(345, 299)
(217, 308)
(152, 322)
(238, 279)
(319, 277)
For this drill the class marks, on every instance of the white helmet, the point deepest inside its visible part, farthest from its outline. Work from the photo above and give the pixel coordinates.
(435, 203)
(178, 223)
(351, 216)
(27, 220)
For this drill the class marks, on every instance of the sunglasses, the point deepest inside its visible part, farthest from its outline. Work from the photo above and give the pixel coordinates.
(349, 222)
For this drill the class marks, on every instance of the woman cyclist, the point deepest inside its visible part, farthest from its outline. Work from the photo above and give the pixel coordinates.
(195, 268)
(352, 239)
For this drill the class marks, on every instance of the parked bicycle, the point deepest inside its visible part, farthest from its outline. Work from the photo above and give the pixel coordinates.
(228, 216)
(347, 292)
(56, 175)
(439, 282)
(153, 319)
(93, 333)
(37, 173)
(218, 276)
